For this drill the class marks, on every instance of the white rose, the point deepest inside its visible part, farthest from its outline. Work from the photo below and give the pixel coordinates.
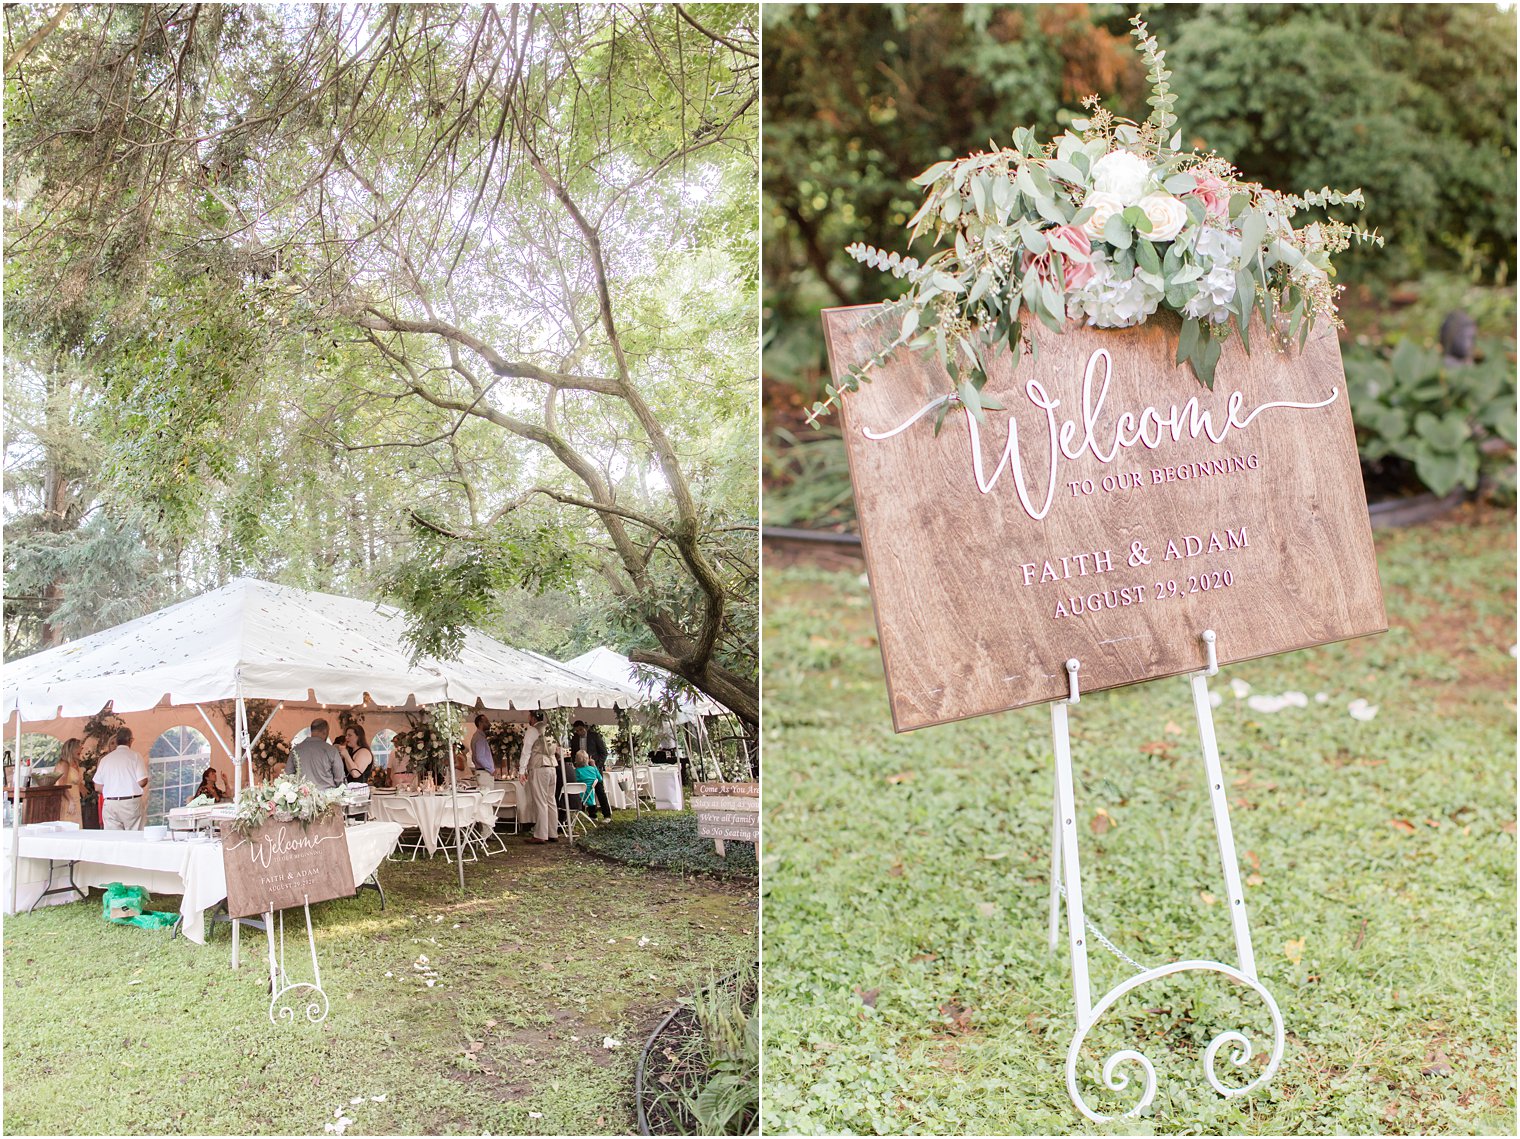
(1166, 214)
(1104, 206)
(1122, 174)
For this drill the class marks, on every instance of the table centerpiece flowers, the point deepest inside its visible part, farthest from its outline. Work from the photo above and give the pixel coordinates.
(1110, 223)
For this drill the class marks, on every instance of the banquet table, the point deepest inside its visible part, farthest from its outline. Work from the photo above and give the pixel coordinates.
(433, 812)
(192, 869)
(619, 783)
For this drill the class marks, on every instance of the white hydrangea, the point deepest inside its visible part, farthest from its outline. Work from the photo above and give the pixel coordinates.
(1109, 302)
(1220, 250)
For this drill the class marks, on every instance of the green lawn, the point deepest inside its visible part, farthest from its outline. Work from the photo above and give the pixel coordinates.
(908, 984)
(547, 953)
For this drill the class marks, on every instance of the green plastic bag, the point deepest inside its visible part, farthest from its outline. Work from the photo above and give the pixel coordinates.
(124, 905)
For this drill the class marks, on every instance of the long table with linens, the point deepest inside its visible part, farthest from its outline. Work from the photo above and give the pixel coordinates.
(191, 869)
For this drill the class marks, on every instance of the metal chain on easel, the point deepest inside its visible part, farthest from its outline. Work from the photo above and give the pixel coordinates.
(1102, 940)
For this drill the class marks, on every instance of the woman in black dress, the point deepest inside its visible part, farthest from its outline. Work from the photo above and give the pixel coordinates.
(358, 760)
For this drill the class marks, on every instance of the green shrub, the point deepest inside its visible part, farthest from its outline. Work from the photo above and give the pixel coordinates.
(1411, 405)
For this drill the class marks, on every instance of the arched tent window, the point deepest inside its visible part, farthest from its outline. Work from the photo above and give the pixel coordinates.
(381, 747)
(300, 737)
(175, 763)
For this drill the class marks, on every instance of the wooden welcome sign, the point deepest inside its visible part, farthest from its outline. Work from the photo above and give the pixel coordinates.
(283, 865)
(1112, 512)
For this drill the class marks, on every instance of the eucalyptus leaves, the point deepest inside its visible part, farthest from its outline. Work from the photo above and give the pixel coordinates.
(1110, 225)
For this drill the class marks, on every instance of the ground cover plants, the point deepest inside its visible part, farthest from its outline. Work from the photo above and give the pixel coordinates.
(668, 840)
(516, 1006)
(909, 987)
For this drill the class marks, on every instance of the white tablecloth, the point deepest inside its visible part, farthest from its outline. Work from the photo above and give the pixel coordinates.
(619, 782)
(191, 869)
(666, 779)
(433, 812)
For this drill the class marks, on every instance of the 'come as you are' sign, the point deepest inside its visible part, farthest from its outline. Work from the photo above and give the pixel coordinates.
(1112, 511)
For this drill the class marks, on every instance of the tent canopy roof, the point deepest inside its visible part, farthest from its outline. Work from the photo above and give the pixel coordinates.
(275, 642)
(647, 681)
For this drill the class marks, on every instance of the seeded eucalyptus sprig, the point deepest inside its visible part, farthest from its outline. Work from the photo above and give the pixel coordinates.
(1108, 223)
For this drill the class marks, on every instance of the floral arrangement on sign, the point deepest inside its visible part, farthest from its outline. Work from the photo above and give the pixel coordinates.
(1110, 225)
(286, 799)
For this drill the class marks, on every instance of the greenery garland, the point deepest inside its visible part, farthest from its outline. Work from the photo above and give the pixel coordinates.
(1109, 224)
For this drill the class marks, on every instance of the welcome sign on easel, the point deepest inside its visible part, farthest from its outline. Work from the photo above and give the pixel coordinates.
(1110, 512)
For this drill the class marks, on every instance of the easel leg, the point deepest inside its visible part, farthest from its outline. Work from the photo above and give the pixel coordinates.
(1225, 835)
(1066, 820)
(1055, 870)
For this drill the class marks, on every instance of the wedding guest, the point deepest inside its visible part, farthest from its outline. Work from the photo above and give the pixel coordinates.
(358, 760)
(122, 779)
(538, 767)
(589, 739)
(71, 776)
(317, 761)
(212, 787)
(586, 772)
(481, 756)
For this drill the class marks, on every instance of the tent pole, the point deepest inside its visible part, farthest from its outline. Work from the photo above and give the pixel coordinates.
(453, 784)
(241, 741)
(16, 816)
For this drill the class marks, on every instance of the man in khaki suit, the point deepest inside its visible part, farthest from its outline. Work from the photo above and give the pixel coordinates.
(538, 766)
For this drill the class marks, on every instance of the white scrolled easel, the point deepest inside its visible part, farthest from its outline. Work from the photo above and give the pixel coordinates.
(1063, 855)
(282, 1001)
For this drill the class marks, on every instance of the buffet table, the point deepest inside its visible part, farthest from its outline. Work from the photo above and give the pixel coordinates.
(190, 868)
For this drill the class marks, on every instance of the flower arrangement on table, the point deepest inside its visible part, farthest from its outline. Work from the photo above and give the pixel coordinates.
(285, 799)
(425, 743)
(1110, 225)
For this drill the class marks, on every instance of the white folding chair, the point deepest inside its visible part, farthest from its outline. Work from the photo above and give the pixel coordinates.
(404, 811)
(643, 787)
(484, 831)
(574, 812)
(463, 817)
(507, 808)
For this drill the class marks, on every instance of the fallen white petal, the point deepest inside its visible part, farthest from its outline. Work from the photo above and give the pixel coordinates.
(388, 973)
(380, 1098)
(1322, 697)
(1361, 710)
(431, 982)
(1240, 688)
(357, 1099)
(1267, 703)
(609, 1042)
(1215, 699)
(1297, 699)
(535, 1115)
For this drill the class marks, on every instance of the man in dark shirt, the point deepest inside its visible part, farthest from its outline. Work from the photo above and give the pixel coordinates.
(317, 761)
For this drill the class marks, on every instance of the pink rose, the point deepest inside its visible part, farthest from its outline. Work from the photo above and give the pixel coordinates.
(1210, 189)
(1075, 248)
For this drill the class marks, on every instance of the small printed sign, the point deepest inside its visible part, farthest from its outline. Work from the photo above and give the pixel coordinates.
(282, 865)
(1111, 510)
(727, 811)
(723, 829)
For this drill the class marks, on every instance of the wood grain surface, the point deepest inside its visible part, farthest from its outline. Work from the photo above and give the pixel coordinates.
(1257, 519)
(281, 865)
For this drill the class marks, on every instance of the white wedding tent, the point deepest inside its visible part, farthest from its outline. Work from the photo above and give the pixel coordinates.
(253, 640)
(648, 681)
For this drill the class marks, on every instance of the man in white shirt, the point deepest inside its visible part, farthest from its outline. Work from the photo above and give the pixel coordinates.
(122, 780)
